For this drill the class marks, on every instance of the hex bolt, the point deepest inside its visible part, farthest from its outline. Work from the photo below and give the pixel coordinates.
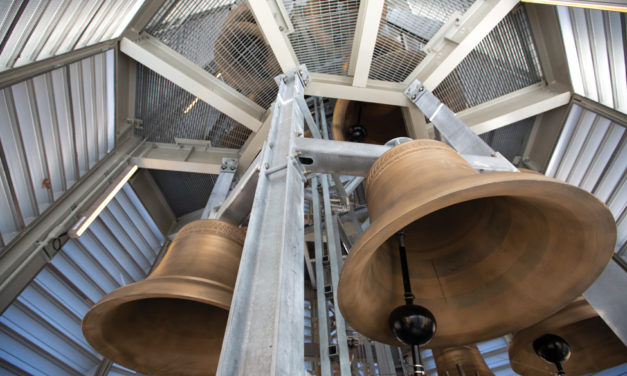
(413, 97)
(300, 72)
(266, 165)
(285, 79)
(224, 167)
(232, 167)
(422, 88)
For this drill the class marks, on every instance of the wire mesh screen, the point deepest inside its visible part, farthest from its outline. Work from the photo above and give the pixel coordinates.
(324, 31)
(405, 28)
(505, 61)
(510, 140)
(167, 111)
(223, 38)
(185, 192)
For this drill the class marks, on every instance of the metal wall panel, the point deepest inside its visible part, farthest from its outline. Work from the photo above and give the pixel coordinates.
(594, 41)
(37, 29)
(40, 332)
(55, 127)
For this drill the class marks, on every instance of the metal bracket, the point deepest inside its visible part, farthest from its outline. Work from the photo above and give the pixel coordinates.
(299, 72)
(479, 154)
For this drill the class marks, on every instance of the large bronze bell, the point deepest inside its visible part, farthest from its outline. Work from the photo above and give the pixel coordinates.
(594, 346)
(173, 322)
(488, 254)
(460, 361)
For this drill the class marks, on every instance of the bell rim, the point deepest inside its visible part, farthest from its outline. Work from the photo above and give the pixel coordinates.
(214, 227)
(207, 292)
(460, 190)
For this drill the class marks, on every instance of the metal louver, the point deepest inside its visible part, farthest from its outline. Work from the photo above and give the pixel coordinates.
(595, 48)
(591, 153)
(40, 331)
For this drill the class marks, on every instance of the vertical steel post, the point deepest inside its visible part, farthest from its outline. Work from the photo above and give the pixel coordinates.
(335, 264)
(323, 314)
(265, 330)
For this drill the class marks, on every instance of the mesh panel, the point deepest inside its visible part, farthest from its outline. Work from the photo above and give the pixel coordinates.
(167, 111)
(223, 38)
(324, 31)
(406, 26)
(184, 191)
(505, 61)
(510, 140)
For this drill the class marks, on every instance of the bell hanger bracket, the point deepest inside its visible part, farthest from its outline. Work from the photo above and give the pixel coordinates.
(471, 147)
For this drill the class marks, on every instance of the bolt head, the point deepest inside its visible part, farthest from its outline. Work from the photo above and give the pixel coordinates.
(232, 168)
(266, 165)
(285, 79)
(413, 97)
(422, 88)
(224, 167)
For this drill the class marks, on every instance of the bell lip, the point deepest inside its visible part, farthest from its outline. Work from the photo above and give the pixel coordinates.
(202, 291)
(460, 190)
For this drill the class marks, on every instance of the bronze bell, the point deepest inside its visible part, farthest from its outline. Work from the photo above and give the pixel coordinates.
(460, 361)
(173, 322)
(242, 56)
(594, 345)
(488, 254)
(375, 123)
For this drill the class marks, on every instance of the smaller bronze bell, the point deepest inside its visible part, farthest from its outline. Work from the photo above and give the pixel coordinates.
(173, 322)
(594, 346)
(460, 361)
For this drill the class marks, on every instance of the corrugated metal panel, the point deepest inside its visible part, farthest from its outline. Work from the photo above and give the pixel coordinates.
(324, 32)
(37, 29)
(222, 37)
(55, 127)
(591, 153)
(41, 332)
(595, 48)
(406, 26)
(167, 111)
(505, 61)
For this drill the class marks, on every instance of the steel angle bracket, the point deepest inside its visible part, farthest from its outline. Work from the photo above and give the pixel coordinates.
(471, 147)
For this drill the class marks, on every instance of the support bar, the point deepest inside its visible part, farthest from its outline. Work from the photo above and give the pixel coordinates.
(186, 157)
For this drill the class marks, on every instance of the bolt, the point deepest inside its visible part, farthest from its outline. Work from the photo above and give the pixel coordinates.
(224, 167)
(266, 165)
(413, 97)
(232, 167)
(285, 79)
(422, 88)
(493, 154)
(271, 145)
(306, 82)
(300, 72)
(298, 134)
(281, 28)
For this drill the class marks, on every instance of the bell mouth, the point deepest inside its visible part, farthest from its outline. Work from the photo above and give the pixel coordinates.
(487, 254)
(161, 326)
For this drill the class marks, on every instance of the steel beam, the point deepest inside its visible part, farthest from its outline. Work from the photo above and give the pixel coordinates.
(510, 108)
(265, 330)
(608, 296)
(364, 41)
(341, 157)
(253, 144)
(323, 314)
(143, 16)
(609, 5)
(15, 75)
(267, 13)
(331, 86)
(454, 41)
(170, 64)
(220, 189)
(236, 207)
(186, 157)
(24, 257)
